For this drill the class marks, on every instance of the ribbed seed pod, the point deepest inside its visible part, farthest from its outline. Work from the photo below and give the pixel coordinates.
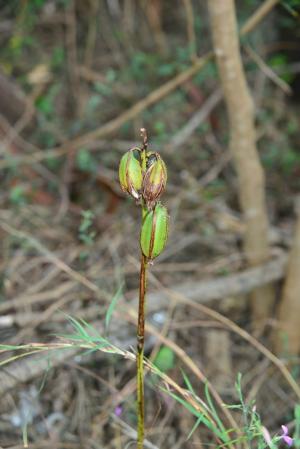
(155, 179)
(154, 231)
(130, 173)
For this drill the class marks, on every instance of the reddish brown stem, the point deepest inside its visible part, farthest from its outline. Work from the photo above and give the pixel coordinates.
(140, 352)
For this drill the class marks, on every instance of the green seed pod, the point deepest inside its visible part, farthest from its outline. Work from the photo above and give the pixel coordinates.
(154, 231)
(130, 173)
(155, 179)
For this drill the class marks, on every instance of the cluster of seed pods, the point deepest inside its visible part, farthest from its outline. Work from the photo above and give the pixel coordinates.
(143, 175)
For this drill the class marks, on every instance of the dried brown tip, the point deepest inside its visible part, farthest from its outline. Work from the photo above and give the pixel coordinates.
(144, 138)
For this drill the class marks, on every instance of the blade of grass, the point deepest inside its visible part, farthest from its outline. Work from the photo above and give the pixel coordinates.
(188, 383)
(192, 391)
(25, 434)
(78, 326)
(197, 423)
(215, 414)
(112, 306)
(206, 420)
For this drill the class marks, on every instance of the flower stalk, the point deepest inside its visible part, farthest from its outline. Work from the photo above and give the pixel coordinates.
(143, 176)
(140, 353)
(141, 318)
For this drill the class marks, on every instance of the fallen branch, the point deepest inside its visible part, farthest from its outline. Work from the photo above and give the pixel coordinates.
(25, 370)
(204, 291)
(224, 286)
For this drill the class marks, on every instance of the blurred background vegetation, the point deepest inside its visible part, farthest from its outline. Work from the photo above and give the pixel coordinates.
(78, 79)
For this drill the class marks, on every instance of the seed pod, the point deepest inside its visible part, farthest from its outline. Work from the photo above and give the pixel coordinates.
(151, 157)
(130, 173)
(155, 179)
(154, 231)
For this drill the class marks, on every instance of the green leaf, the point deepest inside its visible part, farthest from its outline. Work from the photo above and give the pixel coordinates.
(206, 420)
(58, 57)
(188, 383)
(79, 328)
(112, 306)
(85, 161)
(197, 423)
(177, 398)
(111, 75)
(164, 359)
(297, 427)
(215, 414)
(25, 434)
(17, 195)
(297, 412)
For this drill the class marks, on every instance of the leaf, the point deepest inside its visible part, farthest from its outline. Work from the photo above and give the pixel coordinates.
(192, 391)
(25, 435)
(164, 359)
(79, 328)
(297, 412)
(197, 423)
(297, 427)
(177, 398)
(206, 420)
(188, 383)
(112, 306)
(85, 161)
(84, 332)
(44, 379)
(215, 414)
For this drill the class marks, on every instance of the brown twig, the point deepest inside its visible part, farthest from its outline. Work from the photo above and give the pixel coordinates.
(258, 15)
(196, 120)
(51, 256)
(190, 28)
(71, 45)
(91, 33)
(279, 82)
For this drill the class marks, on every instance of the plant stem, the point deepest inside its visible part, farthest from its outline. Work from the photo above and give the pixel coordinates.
(140, 352)
(141, 318)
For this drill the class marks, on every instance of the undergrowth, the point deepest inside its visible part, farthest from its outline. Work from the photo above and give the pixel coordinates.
(251, 432)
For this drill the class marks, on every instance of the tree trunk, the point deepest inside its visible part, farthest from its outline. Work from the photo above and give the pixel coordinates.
(287, 339)
(251, 182)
